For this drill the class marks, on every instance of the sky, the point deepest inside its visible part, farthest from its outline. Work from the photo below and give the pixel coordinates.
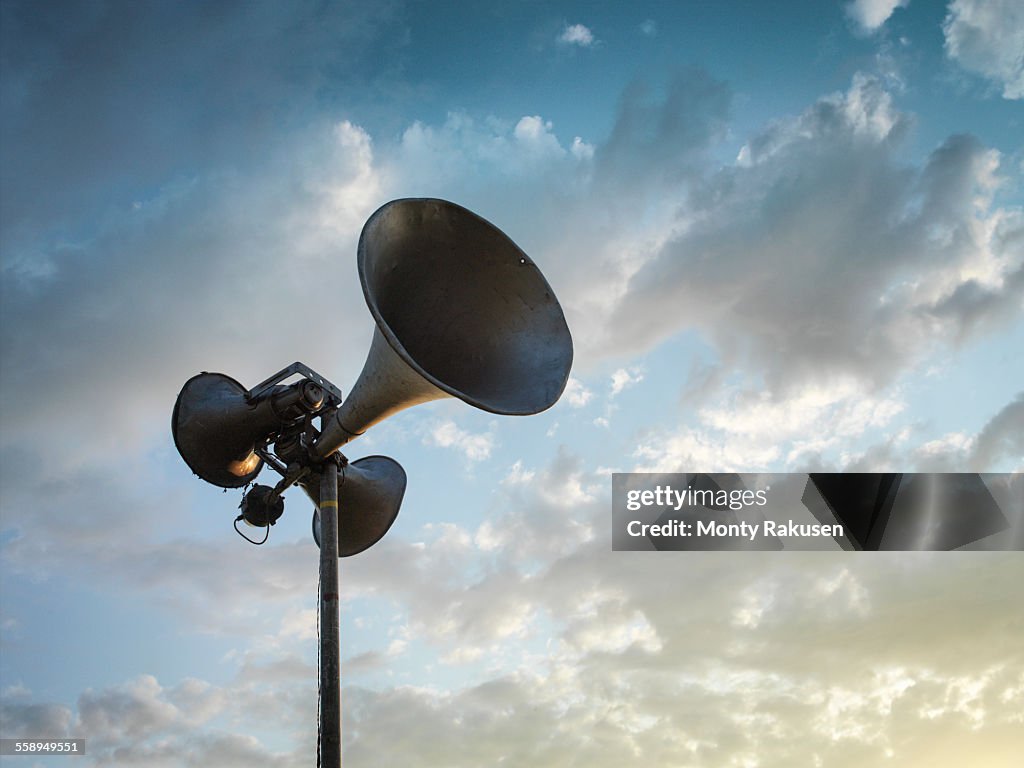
(786, 237)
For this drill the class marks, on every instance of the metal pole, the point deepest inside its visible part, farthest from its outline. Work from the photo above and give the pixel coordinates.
(330, 642)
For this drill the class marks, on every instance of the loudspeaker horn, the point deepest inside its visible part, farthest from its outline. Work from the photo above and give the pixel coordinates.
(217, 425)
(461, 312)
(370, 492)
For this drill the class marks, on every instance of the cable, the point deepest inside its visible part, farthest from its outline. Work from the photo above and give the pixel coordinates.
(251, 541)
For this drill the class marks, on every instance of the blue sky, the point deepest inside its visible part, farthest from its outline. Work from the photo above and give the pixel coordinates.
(786, 237)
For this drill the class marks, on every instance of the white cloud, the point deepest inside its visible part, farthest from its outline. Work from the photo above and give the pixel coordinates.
(754, 602)
(749, 429)
(987, 37)
(576, 34)
(30, 719)
(926, 256)
(542, 511)
(624, 378)
(576, 393)
(207, 583)
(581, 149)
(596, 213)
(535, 135)
(447, 434)
(687, 449)
(954, 441)
(346, 184)
(16, 691)
(1001, 438)
(870, 15)
(518, 475)
(126, 712)
(844, 591)
(299, 624)
(839, 411)
(614, 635)
(865, 112)
(997, 446)
(285, 217)
(397, 647)
(649, 27)
(456, 156)
(226, 127)
(141, 723)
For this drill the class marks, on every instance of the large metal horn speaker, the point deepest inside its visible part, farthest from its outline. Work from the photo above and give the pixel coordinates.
(461, 312)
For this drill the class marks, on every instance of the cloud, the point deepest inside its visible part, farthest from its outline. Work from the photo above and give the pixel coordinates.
(576, 393)
(623, 378)
(744, 430)
(596, 210)
(31, 719)
(101, 529)
(870, 15)
(581, 149)
(998, 444)
(671, 228)
(126, 712)
(755, 264)
(649, 28)
(576, 34)
(535, 137)
(161, 102)
(215, 248)
(987, 37)
(834, 428)
(447, 434)
(667, 136)
(1001, 438)
(517, 474)
(455, 157)
(129, 187)
(142, 723)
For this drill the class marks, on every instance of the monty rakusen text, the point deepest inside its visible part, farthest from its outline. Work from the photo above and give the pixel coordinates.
(666, 496)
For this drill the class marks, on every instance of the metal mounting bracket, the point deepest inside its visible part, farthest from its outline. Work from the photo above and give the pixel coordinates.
(334, 393)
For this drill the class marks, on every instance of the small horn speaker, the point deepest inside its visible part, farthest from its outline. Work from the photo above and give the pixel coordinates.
(216, 428)
(461, 312)
(370, 492)
(217, 424)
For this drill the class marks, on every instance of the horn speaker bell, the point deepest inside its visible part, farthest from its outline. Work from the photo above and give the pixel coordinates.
(370, 492)
(215, 429)
(461, 312)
